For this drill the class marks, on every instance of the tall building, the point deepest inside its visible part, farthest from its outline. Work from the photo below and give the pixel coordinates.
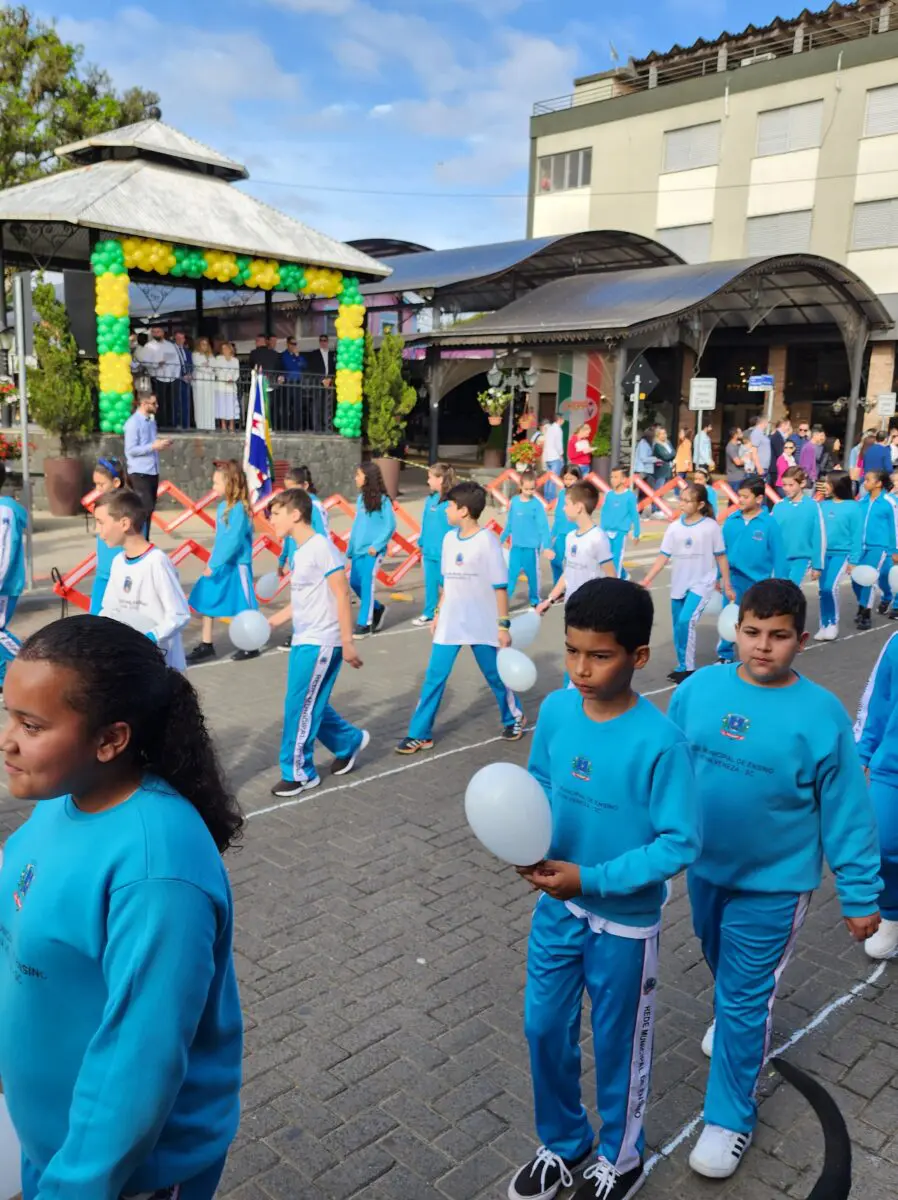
(771, 141)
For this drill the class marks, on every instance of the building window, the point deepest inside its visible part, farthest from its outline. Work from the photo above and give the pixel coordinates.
(875, 225)
(694, 146)
(560, 172)
(882, 112)
(691, 242)
(783, 130)
(780, 233)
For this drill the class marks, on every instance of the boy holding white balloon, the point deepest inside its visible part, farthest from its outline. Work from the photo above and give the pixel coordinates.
(754, 547)
(472, 611)
(619, 778)
(321, 613)
(144, 590)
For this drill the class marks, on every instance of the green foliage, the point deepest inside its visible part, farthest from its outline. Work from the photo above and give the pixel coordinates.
(49, 97)
(60, 390)
(494, 401)
(601, 443)
(388, 398)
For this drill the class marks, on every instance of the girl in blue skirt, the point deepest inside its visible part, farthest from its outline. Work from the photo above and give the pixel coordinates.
(226, 587)
(109, 474)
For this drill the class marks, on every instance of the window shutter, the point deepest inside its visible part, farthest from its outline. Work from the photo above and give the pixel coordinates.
(783, 130)
(781, 233)
(691, 242)
(694, 146)
(875, 225)
(882, 112)
(585, 168)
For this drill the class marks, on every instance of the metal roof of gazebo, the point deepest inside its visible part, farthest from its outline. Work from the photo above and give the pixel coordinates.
(151, 181)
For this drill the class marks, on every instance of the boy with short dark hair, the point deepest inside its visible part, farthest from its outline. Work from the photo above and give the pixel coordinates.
(528, 529)
(619, 779)
(753, 544)
(780, 785)
(472, 611)
(144, 590)
(619, 517)
(587, 549)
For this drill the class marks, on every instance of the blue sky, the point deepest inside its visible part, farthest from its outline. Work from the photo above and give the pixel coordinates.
(399, 118)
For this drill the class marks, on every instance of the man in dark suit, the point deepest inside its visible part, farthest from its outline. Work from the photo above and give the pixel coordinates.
(184, 384)
(322, 361)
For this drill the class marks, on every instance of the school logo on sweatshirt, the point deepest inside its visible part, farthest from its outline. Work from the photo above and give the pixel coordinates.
(735, 727)
(25, 881)
(128, 584)
(459, 559)
(581, 768)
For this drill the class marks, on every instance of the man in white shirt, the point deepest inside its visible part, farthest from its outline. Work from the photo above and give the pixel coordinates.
(761, 442)
(703, 451)
(553, 453)
(164, 363)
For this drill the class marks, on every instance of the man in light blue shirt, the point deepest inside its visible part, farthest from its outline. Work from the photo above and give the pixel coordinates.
(761, 442)
(703, 452)
(142, 446)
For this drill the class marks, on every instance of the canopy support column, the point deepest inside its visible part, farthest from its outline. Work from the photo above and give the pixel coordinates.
(856, 334)
(433, 373)
(199, 310)
(620, 401)
(269, 314)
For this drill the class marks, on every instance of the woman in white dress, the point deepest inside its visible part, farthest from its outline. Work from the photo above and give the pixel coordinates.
(204, 385)
(227, 377)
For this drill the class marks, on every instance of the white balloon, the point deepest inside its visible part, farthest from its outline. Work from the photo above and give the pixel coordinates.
(714, 607)
(137, 620)
(865, 576)
(510, 813)
(250, 630)
(524, 629)
(11, 1151)
(267, 585)
(893, 579)
(516, 670)
(727, 622)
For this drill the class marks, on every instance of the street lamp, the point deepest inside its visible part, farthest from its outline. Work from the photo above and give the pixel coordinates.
(494, 376)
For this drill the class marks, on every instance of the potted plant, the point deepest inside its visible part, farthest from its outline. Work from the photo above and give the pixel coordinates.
(60, 396)
(601, 448)
(389, 399)
(523, 455)
(494, 403)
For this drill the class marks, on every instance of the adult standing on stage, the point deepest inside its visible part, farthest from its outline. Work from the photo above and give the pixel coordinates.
(184, 383)
(142, 446)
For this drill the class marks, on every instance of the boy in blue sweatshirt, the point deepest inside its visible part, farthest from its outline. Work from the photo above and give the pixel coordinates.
(625, 819)
(528, 528)
(619, 516)
(800, 521)
(880, 544)
(753, 544)
(13, 523)
(780, 786)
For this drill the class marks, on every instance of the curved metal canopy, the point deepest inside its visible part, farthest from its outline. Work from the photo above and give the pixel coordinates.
(484, 278)
(790, 290)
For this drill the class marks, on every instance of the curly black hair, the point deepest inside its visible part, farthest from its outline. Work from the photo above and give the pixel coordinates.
(122, 676)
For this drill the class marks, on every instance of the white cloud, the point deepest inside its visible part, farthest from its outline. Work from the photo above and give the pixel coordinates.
(381, 110)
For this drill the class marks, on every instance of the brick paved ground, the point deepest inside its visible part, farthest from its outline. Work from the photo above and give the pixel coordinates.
(381, 957)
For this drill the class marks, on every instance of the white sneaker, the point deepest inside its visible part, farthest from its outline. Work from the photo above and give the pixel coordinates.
(718, 1152)
(708, 1040)
(822, 634)
(832, 632)
(422, 621)
(884, 943)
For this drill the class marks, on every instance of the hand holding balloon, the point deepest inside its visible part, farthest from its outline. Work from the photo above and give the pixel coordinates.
(560, 880)
(509, 812)
(727, 623)
(865, 576)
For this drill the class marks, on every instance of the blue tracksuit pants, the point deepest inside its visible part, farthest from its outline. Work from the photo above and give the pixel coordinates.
(433, 581)
(747, 939)
(564, 957)
(873, 556)
(686, 614)
(618, 546)
(741, 584)
(442, 660)
(522, 559)
(884, 586)
(201, 1187)
(9, 643)
(884, 794)
(311, 675)
(557, 563)
(796, 569)
(834, 565)
(362, 571)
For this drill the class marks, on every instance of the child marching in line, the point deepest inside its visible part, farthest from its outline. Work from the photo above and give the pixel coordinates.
(693, 545)
(109, 474)
(769, 818)
(699, 475)
(843, 520)
(528, 529)
(144, 590)
(619, 516)
(434, 527)
(562, 524)
(226, 586)
(753, 544)
(880, 543)
(322, 641)
(801, 527)
(625, 819)
(114, 894)
(587, 552)
(473, 611)
(13, 523)
(301, 477)
(372, 528)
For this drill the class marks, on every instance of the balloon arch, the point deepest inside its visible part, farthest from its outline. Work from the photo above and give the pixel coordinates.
(111, 260)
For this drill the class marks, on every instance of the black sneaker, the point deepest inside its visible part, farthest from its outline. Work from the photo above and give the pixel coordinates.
(293, 787)
(859, 615)
(883, 607)
(243, 655)
(514, 733)
(379, 615)
(865, 620)
(413, 745)
(287, 644)
(545, 1175)
(679, 676)
(201, 653)
(342, 766)
(893, 615)
(602, 1182)
(361, 631)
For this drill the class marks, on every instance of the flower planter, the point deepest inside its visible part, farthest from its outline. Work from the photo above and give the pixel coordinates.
(493, 459)
(64, 483)
(494, 420)
(601, 465)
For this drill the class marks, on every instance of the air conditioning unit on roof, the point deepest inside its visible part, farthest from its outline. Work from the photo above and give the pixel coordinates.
(758, 58)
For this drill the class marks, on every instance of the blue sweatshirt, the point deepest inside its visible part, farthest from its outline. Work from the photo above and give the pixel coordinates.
(780, 785)
(754, 548)
(371, 529)
(561, 527)
(319, 524)
(619, 514)
(801, 529)
(121, 1038)
(623, 803)
(876, 728)
(880, 517)
(233, 545)
(843, 521)
(434, 527)
(13, 523)
(527, 525)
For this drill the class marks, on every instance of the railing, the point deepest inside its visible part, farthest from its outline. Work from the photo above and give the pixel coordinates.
(733, 56)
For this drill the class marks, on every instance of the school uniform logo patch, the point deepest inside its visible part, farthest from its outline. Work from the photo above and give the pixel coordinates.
(459, 559)
(581, 768)
(735, 727)
(128, 584)
(25, 881)
(688, 542)
(758, 535)
(574, 550)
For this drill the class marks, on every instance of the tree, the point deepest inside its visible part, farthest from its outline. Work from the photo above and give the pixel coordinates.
(49, 96)
(60, 390)
(388, 397)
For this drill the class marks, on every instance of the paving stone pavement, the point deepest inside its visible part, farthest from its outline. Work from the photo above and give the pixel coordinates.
(381, 958)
